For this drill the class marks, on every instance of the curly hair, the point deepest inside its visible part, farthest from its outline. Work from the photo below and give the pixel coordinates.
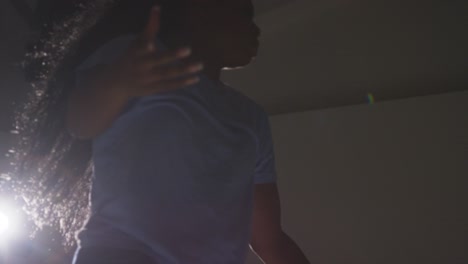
(52, 173)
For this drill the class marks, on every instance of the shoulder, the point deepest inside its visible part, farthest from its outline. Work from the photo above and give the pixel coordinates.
(257, 115)
(255, 109)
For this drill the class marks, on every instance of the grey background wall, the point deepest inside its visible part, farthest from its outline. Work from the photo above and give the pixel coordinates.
(383, 183)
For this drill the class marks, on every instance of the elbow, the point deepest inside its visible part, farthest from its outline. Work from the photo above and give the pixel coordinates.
(266, 245)
(73, 122)
(77, 126)
(76, 130)
(78, 134)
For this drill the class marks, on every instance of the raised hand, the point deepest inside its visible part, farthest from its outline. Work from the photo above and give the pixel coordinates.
(144, 70)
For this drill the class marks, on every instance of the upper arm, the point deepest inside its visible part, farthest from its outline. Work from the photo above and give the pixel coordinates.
(267, 210)
(265, 170)
(77, 99)
(266, 223)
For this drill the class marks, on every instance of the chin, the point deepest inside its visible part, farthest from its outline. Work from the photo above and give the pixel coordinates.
(239, 62)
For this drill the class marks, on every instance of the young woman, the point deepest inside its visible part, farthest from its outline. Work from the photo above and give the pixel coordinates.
(182, 165)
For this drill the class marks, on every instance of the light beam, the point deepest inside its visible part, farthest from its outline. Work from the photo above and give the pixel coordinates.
(4, 223)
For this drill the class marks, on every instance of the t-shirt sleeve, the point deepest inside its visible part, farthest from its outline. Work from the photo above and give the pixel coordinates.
(265, 171)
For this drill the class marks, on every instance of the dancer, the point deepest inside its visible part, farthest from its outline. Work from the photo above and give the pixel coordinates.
(183, 168)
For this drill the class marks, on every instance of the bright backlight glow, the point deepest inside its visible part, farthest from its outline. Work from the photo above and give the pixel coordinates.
(4, 223)
(10, 221)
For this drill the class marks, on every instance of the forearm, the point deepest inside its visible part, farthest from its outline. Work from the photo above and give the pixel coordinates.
(284, 251)
(92, 109)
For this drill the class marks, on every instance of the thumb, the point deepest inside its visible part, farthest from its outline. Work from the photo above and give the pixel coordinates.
(152, 29)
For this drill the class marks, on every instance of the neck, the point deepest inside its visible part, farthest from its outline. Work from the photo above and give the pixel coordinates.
(214, 73)
(212, 69)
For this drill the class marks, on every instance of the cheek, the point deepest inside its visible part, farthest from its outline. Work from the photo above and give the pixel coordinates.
(230, 49)
(224, 40)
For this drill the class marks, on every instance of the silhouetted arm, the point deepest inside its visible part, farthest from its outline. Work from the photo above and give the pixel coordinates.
(269, 241)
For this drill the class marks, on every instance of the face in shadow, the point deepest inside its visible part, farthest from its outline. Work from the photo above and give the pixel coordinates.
(223, 32)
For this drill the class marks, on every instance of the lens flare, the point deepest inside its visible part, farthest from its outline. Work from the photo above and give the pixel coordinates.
(4, 223)
(10, 221)
(370, 98)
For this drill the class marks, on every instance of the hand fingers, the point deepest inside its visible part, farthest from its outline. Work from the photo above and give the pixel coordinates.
(172, 72)
(151, 30)
(152, 61)
(172, 56)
